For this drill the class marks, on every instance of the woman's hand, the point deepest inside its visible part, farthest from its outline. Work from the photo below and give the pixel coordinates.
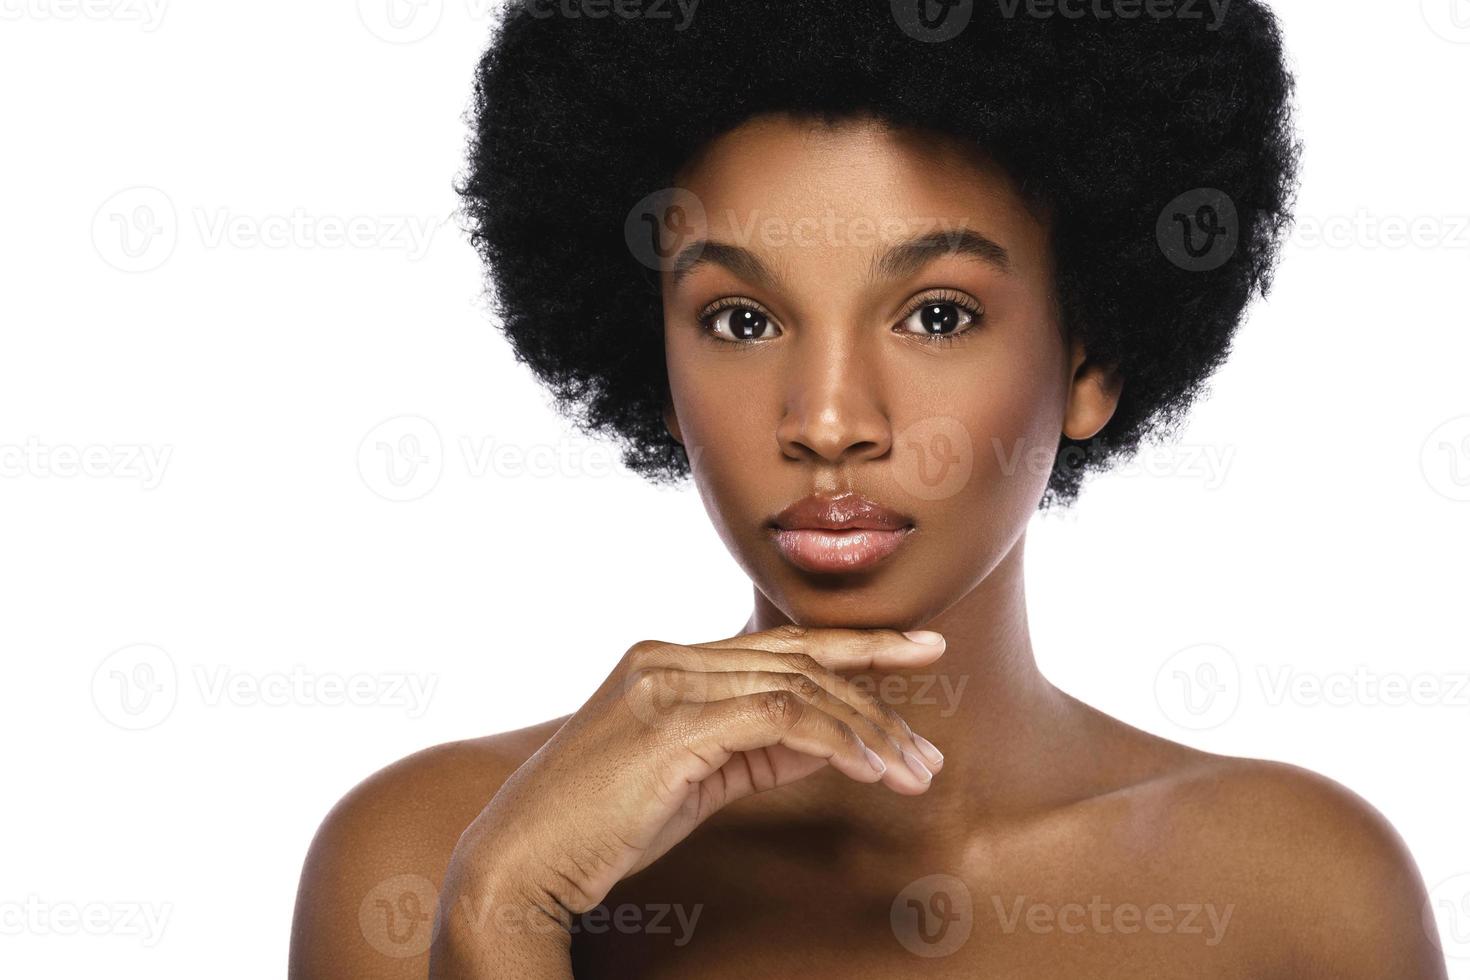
(674, 734)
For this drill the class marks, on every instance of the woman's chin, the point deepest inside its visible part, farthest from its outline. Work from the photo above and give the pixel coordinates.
(850, 608)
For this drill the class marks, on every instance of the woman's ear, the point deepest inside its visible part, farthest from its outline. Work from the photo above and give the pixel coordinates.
(671, 422)
(1093, 397)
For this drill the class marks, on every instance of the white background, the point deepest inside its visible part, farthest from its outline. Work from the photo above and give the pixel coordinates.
(1312, 525)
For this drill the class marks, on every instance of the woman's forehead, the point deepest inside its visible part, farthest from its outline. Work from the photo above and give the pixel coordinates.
(859, 158)
(795, 192)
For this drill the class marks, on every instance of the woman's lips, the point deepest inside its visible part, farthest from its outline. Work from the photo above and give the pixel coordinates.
(846, 550)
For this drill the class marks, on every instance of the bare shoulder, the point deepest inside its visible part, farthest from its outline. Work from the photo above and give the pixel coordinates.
(1327, 882)
(365, 902)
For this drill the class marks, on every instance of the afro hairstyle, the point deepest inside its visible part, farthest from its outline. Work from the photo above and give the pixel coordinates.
(1125, 129)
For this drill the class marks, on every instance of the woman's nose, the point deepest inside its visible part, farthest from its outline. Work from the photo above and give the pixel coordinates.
(835, 407)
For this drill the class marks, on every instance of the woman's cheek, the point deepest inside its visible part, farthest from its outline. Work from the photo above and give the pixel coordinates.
(731, 447)
(732, 429)
(993, 429)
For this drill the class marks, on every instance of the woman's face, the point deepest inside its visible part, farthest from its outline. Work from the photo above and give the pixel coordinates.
(893, 334)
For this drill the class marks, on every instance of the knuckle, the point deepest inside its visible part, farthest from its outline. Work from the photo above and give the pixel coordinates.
(645, 683)
(886, 713)
(803, 686)
(780, 708)
(801, 663)
(792, 631)
(642, 653)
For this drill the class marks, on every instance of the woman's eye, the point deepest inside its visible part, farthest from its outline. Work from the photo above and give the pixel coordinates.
(940, 318)
(736, 323)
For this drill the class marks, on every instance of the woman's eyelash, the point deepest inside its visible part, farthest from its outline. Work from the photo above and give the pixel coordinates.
(707, 316)
(945, 297)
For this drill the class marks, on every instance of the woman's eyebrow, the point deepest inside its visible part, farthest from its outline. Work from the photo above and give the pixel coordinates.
(908, 257)
(903, 259)
(741, 261)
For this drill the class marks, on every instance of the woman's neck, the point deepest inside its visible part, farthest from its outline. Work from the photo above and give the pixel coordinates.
(1012, 742)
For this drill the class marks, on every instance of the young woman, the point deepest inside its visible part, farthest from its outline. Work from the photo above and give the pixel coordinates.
(884, 279)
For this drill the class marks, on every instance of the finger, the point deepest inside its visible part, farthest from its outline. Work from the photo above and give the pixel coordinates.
(920, 757)
(911, 762)
(748, 722)
(837, 648)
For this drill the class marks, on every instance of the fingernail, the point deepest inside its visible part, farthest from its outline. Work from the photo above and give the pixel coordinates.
(927, 637)
(927, 747)
(875, 760)
(918, 767)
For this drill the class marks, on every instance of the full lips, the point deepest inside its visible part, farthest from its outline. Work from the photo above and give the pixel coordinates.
(847, 550)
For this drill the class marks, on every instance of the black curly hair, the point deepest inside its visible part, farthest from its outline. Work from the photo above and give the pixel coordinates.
(1135, 133)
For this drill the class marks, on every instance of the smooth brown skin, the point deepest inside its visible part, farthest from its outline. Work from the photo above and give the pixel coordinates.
(1041, 799)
